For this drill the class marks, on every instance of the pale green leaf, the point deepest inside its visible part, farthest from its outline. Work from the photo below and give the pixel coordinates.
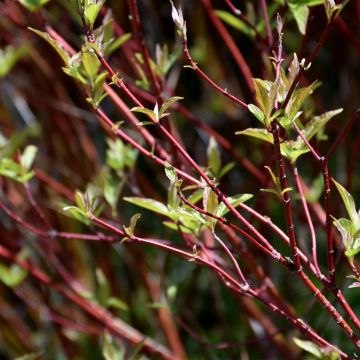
(111, 350)
(9, 56)
(301, 14)
(297, 99)
(114, 45)
(149, 204)
(145, 111)
(30, 356)
(349, 204)
(92, 11)
(33, 5)
(131, 228)
(234, 22)
(314, 125)
(213, 156)
(170, 172)
(309, 347)
(55, 44)
(28, 156)
(261, 134)
(90, 63)
(116, 303)
(236, 200)
(257, 113)
(12, 275)
(168, 103)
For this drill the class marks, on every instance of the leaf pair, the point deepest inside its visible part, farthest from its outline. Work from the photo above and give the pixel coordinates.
(19, 171)
(156, 114)
(349, 228)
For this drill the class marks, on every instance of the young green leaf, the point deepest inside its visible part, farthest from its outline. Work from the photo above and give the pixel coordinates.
(116, 303)
(314, 125)
(297, 99)
(234, 22)
(213, 156)
(309, 347)
(12, 275)
(170, 172)
(90, 63)
(349, 204)
(28, 156)
(168, 103)
(33, 5)
(145, 111)
(257, 113)
(91, 11)
(55, 44)
(235, 201)
(103, 287)
(301, 14)
(261, 134)
(131, 228)
(118, 42)
(30, 356)
(149, 204)
(111, 350)
(9, 56)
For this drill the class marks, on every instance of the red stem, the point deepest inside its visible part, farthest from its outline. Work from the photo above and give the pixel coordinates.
(212, 83)
(230, 43)
(310, 223)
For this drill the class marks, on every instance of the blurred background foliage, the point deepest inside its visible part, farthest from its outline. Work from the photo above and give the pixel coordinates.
(41, 105)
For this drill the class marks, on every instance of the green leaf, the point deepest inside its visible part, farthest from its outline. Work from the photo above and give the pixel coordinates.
(103, 290)
(170, 172)
(13, 275)
(114, 45)
(55, 44)
(293, 149)
(331, 7)
(33, 5)
(345, 229)
(90, 63)
(77, 214)
(235, 201)
(9, 168)
(111, 350)
(112, 189)
(234, 22)
(210, 200)
(131, 228)
(171, 293)
(349, 205)
(257, 113)
(9, 56)
(213, 156)
(145, 111)
(264, 96)
(301, 14)
(30, 356)
(297, 99)
(168, 103)
(117, 304)
(309, 347)
(92, 10)
(28, 156)
(149, 204)
(183, 228)
(228, 167)
(314, 125)
(309, 2)
(261, 134)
